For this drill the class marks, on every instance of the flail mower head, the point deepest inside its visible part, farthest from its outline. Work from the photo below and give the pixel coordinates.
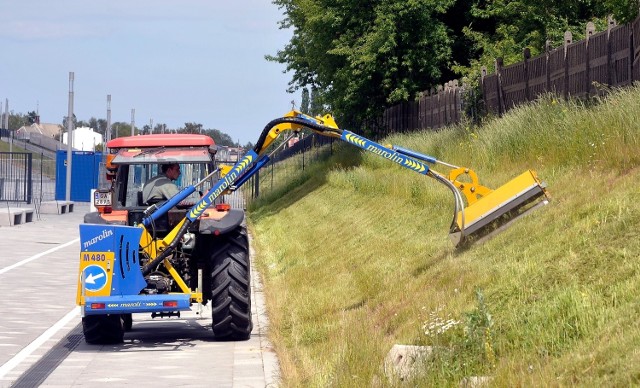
(490, 211)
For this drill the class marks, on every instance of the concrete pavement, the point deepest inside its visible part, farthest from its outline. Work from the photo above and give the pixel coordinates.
(41, 340)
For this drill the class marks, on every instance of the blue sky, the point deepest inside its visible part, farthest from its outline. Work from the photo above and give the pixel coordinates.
(173, 62)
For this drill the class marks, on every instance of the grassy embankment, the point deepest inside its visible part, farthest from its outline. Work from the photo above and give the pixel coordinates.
(40, 164)
(355, 257)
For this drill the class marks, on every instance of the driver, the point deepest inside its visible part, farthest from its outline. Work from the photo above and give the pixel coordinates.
(162, 187)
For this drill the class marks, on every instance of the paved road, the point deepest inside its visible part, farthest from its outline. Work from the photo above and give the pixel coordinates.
(41, 340)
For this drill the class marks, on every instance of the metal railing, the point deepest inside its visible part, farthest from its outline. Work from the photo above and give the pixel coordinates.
(16, 183)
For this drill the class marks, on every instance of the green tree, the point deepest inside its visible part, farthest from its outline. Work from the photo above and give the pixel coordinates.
(74, 120)
(624, 11)
(364, 56)
(17, 120)
(191, 128)
(98, 125)
(32, 117)
(220, 138)
(304, 103)
(315, 106)
(120, 129)
(504, 28)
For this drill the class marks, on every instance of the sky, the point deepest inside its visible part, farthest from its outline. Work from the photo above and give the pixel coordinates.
(173, 62)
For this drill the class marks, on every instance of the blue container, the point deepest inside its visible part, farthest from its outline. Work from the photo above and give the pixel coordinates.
(85, 173)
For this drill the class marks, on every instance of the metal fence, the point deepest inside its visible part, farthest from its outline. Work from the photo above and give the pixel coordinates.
(287, 165)
(26, 178)
(15, 177)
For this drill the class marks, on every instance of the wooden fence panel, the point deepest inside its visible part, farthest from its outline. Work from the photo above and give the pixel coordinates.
(635, 64)
(457, 104)
(433, 110)
(514, 85)
(556, 69)
(447, 105)
(442, 109)
(428, 112)
(490, 93)
(415, 115)
(620, 49)
(424, 119)
(577, 69)
(537, 70)
(598, 51)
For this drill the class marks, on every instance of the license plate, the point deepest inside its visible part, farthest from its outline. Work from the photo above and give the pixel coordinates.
(102, 198)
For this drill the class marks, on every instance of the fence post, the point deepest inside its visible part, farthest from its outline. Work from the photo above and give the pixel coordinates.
(526, 54)
(568, 38)
(498, 64)
(256, 184)
(29, 177)
(457, 103)
(483, 75)
(303, 147)
(447, 97)
(610, 68)
(547, 49)
(591, 28)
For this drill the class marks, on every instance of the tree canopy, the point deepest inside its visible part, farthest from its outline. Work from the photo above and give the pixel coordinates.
(359, 57)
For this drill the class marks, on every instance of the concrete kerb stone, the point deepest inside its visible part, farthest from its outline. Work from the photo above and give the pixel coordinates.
(11, 216)
(56, 207)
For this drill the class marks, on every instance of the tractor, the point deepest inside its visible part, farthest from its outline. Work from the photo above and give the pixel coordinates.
(121, 268)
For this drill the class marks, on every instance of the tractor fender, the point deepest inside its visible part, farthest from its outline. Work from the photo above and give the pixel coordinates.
(94, 218)
(230, 221)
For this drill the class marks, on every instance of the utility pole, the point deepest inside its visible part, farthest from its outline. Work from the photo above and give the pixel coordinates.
(6, 113)
(6, 123)
(133, 121)
(150, 126)
(69, 137)
(1, 120)
(108, 134)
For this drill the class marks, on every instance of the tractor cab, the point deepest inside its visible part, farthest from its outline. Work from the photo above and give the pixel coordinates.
(135, 160)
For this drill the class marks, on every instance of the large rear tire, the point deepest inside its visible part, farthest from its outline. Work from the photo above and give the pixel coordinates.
(231, 286)
(103, 329)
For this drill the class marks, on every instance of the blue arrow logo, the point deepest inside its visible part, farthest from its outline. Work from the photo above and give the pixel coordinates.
(95, 278)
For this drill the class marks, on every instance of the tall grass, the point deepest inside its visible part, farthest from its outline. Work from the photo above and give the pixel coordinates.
(355, 257)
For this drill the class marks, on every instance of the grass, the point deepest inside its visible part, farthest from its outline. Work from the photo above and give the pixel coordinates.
(42, 165)
(355, 257)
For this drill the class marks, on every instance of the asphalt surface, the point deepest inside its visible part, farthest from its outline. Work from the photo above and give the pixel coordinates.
(41, 342)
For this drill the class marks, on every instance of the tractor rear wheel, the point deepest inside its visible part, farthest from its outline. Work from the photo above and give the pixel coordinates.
(230, 286)
(103, 329)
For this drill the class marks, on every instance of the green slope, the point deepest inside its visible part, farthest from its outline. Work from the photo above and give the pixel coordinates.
(355, 257)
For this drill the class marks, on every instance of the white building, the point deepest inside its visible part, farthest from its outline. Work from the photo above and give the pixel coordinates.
(84, 139)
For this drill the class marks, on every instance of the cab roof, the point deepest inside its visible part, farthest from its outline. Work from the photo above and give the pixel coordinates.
(162, 140)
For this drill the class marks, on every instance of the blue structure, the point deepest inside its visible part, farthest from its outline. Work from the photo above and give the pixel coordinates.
(85, 170)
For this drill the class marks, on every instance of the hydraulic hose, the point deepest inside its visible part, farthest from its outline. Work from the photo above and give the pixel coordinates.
(146, 269)
(290, 120)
